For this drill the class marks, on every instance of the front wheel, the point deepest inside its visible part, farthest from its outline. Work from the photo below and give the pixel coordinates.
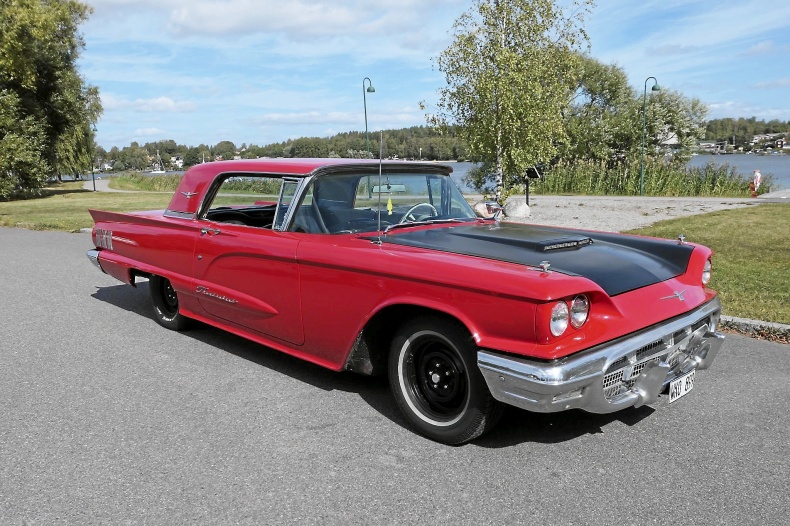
(435, 380)
(165, 302)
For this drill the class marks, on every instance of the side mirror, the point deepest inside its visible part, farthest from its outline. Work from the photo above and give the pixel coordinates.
(494, 209)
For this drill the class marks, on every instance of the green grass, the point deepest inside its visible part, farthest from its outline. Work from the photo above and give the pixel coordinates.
(65, 207)
(138, 182)
(751, 266)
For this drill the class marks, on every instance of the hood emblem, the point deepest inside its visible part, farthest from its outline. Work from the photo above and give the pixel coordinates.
(678, 294)
(188, 194)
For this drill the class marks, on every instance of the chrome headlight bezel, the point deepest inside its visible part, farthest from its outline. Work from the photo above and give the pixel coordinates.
(580, 311)
(706, 272)
(560, 318)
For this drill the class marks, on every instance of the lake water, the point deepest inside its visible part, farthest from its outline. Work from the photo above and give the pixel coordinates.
(777, 166)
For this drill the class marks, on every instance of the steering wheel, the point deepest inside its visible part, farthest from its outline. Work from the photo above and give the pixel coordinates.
(409, 215)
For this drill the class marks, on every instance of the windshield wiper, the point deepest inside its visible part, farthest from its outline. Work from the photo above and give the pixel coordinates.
(427, 222)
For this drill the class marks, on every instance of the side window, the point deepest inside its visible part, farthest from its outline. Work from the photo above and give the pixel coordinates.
(247, 200)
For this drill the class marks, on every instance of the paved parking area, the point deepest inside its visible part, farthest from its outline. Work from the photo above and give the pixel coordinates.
(108, 418)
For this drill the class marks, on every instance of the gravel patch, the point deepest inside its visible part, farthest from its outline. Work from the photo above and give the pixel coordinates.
(616, 214)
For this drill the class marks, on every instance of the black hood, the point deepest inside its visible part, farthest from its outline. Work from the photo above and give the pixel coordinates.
(617, 263)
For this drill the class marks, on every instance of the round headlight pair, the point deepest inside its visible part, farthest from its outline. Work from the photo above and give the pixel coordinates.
(562, 315)
(706, 271)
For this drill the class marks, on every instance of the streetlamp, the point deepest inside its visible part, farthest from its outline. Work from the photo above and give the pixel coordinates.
(655, 87)
(93, 158)
(370, 89)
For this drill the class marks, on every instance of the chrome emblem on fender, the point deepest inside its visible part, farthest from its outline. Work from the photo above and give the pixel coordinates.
(103, 238)
(678, 294)
(188, 194)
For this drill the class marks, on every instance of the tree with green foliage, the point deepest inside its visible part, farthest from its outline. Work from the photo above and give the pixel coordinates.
(604, 120)
(42, 89)
(676, 121)
(22, 149)
(602, 123)
(509, 74)
(226, 150)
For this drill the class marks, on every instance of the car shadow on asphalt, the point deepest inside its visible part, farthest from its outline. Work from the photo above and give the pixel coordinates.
(516, 426)
(374, 390)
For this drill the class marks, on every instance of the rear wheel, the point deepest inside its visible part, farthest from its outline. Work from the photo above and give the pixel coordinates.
(435, 380)
(165, 302)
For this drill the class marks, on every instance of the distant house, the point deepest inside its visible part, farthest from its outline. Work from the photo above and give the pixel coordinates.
(177, 162)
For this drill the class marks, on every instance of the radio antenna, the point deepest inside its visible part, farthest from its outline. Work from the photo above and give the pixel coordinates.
(381, 149)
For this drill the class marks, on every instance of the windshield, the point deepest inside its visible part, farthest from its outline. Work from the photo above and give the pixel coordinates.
(342, 203)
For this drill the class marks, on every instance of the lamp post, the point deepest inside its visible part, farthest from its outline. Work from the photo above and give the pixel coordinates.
(655, 87)
(370, 89)
(93, 159)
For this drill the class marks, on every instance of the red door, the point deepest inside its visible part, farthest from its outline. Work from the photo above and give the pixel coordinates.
(249, 276)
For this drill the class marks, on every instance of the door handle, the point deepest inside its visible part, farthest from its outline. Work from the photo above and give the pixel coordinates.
(212, 231)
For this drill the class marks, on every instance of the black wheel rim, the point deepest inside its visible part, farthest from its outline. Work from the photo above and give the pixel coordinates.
(437, 379)
(169, 299)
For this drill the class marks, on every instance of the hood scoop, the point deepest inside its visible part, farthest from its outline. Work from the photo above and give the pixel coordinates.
(564, 243)
(537, 243)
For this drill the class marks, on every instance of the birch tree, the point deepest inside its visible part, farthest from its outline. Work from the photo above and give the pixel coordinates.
(510, 72)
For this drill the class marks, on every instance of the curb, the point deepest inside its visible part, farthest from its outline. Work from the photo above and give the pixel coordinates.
(778, 332)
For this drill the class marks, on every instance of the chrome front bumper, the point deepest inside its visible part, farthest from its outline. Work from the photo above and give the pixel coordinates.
(630, 371)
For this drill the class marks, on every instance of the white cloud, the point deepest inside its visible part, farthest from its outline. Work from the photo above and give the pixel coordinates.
(148, 132)
(774, 84)
(761, 48)
(155, 105)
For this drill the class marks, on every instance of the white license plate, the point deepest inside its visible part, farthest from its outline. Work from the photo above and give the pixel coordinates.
(681, 386)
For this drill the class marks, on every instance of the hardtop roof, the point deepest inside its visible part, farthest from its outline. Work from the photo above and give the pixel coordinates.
(198, 179)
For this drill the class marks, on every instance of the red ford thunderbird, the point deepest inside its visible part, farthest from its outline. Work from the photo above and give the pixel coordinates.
(385, 269)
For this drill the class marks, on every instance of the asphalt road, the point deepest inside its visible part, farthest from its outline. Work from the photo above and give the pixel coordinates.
(107, 418)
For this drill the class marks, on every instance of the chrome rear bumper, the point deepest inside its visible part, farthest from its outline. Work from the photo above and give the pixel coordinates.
(93, 256)
(630, 371)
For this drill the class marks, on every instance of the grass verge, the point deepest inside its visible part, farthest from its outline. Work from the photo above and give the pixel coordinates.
(65, 207)
(751, 267)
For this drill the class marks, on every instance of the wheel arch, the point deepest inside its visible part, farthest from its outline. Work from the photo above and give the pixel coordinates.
(370, 350)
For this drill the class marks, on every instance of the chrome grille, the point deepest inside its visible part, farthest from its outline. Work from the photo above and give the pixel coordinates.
(620, 376)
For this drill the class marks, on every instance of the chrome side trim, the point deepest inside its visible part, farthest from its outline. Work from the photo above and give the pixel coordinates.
(93, 256)
(179, 215)
(577, 381)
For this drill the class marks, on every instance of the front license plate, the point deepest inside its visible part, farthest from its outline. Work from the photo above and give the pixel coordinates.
(681, 386)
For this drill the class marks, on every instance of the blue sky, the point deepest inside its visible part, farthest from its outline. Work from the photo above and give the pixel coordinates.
(263, 71)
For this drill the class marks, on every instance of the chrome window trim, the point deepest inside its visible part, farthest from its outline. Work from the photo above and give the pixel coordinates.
(179, 215)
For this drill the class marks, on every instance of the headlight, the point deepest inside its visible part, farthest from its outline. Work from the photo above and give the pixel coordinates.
(559, 318)
(706, 272)
(580, 308)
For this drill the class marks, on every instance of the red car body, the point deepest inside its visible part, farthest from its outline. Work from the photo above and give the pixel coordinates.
(317, 285)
